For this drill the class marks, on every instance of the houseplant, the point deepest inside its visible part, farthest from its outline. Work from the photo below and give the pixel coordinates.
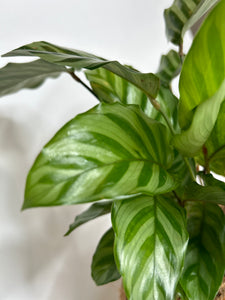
(140, 149)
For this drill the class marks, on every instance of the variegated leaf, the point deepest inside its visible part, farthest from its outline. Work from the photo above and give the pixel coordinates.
(103, 267)
(94, 211)
(150, 244)
(148, 83)
(110, 152)
(182, 15)
(17, 76)
(205, 259)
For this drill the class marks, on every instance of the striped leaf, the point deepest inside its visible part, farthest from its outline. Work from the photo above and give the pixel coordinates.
(103, 267)
(182, 15)
(150, 244)
(148, 83)
(17, 76)
(202, 89)
(94, 211)
(111, 88)
(205, 259)
(170, 66)
(109, 152)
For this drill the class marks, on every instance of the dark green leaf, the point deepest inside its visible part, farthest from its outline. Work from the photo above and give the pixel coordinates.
(94, 211)
(205, 259)
(170, 66)
(17, 76)
(150, 244)
(182, 15)
(196, 192)
(148, 83)
(103, 267)
(210, 180)
(202, 84)
(109, 152)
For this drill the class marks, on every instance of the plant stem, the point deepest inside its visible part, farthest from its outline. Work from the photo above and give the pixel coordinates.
(75, 77)
(206, 158)
(189, 168)
(157, 106)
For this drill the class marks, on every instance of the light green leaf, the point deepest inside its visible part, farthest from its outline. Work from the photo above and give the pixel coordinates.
(103, 267)
(205, 259)
(203, 73)
(110, 152)
(215, 145)
(94, 211)
(170, 66)
(190, 141)
(112, 88)
(182, 15)
(17, 76)
(150, 244)
(196, 192)
(148, 83)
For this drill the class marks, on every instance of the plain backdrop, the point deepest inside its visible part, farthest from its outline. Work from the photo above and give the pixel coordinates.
(36, 261)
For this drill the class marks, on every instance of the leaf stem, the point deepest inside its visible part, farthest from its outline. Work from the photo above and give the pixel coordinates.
(206, 158)
(157, 106)
(189, 168)
(75, 77)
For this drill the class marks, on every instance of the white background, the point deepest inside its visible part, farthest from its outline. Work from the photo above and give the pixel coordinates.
(36, 261)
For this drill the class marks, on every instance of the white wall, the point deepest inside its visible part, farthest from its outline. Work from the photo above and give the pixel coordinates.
(36, 261)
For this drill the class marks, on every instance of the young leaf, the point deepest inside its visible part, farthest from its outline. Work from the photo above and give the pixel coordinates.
(17, 76)
(109, 152)
(150, 244)
(202, 84)
(205, 259)
(182, 15)
(215, 145)
(94, 211)
(103, 267)
(148, 83)
(203, 70)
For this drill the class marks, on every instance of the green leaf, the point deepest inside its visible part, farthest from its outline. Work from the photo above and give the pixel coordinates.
(190, 141)
(110, 152)
(203, 74)
(182, 15)
(209, 179)
(196, 192)
(111, 88)
(215, 145)
(170, 66)
(148, 83)
(17, 76)
(150, 244)
(202, 84)
(94, 211)
(205, 259)
(103, 267)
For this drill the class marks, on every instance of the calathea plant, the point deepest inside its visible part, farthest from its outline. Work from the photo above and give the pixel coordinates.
(137, 154)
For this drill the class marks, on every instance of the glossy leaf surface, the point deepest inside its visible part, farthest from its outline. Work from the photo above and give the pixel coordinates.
(205, 259)
(94, 211)
(103, 267)
(182, 15)
(148, 83)
(17, 76)
(203, 70)
(202, 84)
(150, 244)
(109, 152)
